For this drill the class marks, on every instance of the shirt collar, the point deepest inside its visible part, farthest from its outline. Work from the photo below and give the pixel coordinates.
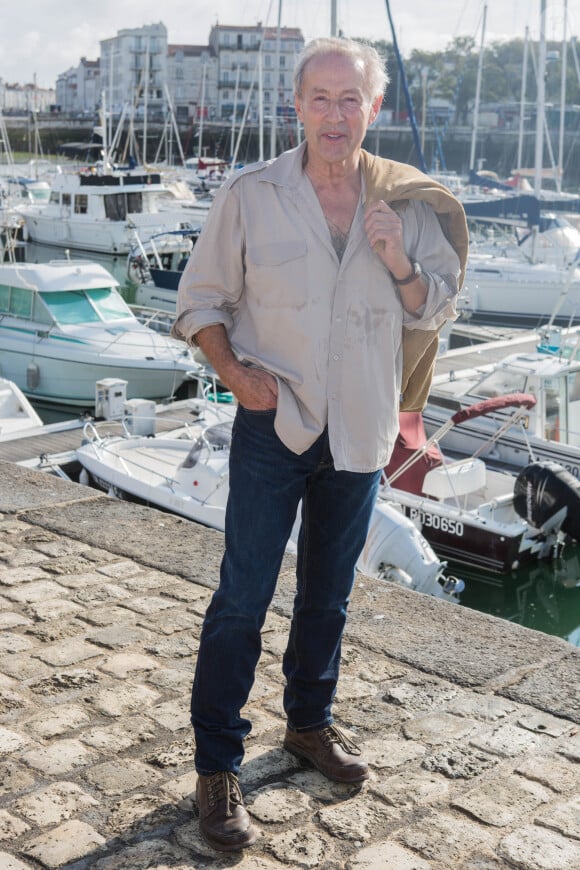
(286, 170)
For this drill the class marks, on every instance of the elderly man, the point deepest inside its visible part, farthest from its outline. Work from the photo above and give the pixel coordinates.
(298, 292)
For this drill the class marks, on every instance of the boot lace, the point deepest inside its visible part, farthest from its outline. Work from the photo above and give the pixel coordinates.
(331, 734)
(224, 785)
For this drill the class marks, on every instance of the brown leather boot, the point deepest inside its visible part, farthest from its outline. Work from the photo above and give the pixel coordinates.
(330, 751)
(223, 819)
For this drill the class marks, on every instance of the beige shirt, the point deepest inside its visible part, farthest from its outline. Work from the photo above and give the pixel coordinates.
(328, 330)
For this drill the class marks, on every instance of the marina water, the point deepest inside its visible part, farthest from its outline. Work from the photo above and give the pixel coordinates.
(544, 596)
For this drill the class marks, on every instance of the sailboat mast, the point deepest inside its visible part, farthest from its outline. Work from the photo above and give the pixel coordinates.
(563, 97)
(523, 100)
(477, 91)
(146, 102)
(260, 106)
(541, 99)
(276, 84)
(235, 112)
(202, 111)
(408, 100)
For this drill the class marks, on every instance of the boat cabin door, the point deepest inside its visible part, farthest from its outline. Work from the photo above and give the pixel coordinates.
(561, 396)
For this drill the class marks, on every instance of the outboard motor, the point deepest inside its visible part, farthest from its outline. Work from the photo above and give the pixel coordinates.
(544, 488)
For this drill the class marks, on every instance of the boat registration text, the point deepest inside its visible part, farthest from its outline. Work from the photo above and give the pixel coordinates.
(434, 521)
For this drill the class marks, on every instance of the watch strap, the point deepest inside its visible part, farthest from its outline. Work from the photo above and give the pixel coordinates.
(416, 270)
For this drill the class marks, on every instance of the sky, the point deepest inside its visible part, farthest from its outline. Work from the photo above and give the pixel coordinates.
(42, 38)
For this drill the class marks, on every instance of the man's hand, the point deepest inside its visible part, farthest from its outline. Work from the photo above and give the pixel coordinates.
(254, 389)
(384, 230)
(383, 225)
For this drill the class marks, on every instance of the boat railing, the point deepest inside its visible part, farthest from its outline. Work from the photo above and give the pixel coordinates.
(179, 349)
(155, 318)
(90, 433)
(497, 504)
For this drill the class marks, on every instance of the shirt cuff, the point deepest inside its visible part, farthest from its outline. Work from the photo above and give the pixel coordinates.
(190, 322)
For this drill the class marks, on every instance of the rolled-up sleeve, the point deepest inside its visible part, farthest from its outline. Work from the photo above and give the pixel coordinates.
(211, 285)
(427, 243)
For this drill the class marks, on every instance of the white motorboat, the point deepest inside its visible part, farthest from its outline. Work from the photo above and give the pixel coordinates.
(473, 513)
(17, 416)
(186, 472)
(157, 268)
(64, 326)
(98, 212)
(549, 431)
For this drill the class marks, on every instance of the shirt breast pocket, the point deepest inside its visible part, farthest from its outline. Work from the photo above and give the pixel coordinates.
(276, 275)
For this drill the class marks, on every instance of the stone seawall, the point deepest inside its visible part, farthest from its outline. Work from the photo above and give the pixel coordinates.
(470, 723)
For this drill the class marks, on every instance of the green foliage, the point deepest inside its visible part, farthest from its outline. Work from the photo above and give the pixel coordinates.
(452, 74)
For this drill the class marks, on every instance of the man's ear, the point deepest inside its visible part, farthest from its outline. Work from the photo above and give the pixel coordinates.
(375, 109)
(298, 107)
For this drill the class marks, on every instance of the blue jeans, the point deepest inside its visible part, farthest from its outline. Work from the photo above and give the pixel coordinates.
(267, 482)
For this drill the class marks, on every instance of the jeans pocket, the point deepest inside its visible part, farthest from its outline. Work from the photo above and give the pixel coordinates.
(257, 422)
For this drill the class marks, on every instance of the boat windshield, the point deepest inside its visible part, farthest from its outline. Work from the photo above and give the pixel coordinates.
(109, 303)
(86, 306)
(217, 438)
(500, 382)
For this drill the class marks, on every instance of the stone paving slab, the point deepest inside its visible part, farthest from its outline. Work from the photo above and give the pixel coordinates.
(470, 724)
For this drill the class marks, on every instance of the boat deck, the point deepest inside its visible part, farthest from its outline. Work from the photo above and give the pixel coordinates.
(482, 353)
(47, 449)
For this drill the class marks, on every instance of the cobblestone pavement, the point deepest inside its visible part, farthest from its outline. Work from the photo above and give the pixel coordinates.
(470, 725)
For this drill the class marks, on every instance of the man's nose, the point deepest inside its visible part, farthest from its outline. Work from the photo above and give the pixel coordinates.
(335, 109)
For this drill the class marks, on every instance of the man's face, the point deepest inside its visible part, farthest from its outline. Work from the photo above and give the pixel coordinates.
(334, 108)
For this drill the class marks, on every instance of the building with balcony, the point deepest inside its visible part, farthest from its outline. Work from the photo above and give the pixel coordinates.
(139, 73)
(78, 89)
(192, 81)
(134, 71)
(254, 58)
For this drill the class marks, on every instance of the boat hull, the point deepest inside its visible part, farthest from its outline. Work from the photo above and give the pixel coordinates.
(484, 542)
(102, 236)
(501, 292)
(470, 545)
(72, 382)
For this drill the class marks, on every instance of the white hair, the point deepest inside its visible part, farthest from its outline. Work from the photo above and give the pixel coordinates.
(375, 74)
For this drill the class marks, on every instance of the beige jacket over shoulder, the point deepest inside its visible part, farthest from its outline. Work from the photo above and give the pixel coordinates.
(329, 330)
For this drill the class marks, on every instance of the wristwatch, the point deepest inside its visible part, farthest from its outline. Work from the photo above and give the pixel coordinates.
(416, 270)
